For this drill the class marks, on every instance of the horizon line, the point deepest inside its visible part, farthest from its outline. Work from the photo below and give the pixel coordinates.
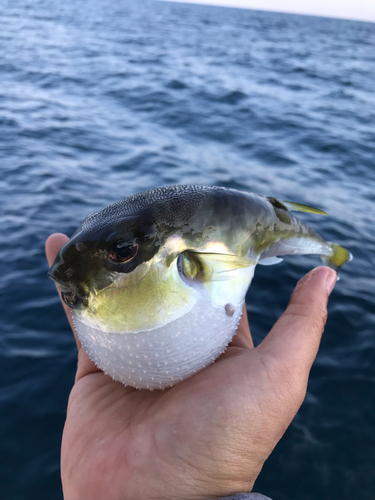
(327, 16)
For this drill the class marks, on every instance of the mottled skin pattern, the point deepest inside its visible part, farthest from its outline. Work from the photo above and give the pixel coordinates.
(248, 224)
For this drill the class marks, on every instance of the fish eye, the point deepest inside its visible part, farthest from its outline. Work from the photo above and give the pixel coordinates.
(123, 251)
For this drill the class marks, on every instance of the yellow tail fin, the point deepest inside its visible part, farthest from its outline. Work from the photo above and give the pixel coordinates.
(338, 257)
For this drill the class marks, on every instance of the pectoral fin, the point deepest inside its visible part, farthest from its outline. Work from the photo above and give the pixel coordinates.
(212, 266)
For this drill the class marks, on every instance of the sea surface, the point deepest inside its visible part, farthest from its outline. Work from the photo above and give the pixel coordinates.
(102, 99)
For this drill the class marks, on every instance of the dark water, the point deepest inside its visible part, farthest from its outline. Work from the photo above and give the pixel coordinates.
(102, 99)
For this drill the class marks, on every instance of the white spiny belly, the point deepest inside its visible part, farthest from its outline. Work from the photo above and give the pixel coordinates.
(163, 356)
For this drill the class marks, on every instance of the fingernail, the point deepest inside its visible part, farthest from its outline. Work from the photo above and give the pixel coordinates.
(331, 279)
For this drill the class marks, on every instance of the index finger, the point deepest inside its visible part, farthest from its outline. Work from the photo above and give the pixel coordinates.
(294, 340)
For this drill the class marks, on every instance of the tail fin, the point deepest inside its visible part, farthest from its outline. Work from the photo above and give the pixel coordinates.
(337, 258)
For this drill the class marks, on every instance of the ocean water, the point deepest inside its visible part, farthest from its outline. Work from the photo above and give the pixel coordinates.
(99, 100)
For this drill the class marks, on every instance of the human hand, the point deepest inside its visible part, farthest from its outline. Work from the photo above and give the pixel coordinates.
(206, 437)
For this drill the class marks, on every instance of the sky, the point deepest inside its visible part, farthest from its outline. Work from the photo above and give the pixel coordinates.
(362, 10)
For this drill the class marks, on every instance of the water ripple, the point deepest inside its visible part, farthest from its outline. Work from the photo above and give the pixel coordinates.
(102, 99)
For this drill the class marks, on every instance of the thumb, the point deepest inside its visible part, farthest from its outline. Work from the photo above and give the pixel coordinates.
(294, 340)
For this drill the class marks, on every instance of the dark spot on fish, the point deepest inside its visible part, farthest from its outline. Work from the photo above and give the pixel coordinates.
(229, 310)
(276, 203)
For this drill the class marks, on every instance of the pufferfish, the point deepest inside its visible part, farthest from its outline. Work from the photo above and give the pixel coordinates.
(157, 281)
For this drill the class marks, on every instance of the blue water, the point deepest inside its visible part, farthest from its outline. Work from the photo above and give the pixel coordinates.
(99, 100)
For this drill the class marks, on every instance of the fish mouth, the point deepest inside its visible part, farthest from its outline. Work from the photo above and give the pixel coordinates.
(69, 293)
(73, 299)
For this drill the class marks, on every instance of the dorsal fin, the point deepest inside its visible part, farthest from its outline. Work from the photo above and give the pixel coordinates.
(290, 205)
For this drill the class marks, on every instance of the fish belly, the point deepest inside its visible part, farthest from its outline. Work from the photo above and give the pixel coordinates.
(162, 357)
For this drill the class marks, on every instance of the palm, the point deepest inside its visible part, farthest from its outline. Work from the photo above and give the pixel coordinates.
(206, 437)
